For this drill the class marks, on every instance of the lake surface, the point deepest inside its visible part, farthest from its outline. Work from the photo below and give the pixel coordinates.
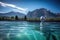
(23, 30)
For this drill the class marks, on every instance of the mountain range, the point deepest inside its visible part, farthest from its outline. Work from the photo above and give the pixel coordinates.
(41, 12)
(12, 13)
(32, 14)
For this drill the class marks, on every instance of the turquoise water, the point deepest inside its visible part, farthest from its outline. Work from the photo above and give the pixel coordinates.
(22, 30)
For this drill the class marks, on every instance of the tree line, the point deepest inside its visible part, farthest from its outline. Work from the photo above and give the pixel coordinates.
(57, 19)
(12, 18)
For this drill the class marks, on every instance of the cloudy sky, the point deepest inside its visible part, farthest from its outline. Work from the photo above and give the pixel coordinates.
(29, 5)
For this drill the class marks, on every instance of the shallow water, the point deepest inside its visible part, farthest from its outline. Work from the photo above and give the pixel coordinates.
(22, 30)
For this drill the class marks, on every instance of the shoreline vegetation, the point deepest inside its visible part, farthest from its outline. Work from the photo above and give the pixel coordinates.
(16, 18)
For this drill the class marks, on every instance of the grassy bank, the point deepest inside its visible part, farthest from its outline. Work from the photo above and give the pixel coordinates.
(28, 19)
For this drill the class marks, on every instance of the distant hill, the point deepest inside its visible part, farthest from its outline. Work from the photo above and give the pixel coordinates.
(41, 12)
(58, 14)
(12, 13)
(32, 14)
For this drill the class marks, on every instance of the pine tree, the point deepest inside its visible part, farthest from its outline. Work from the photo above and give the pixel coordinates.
(16, 17)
